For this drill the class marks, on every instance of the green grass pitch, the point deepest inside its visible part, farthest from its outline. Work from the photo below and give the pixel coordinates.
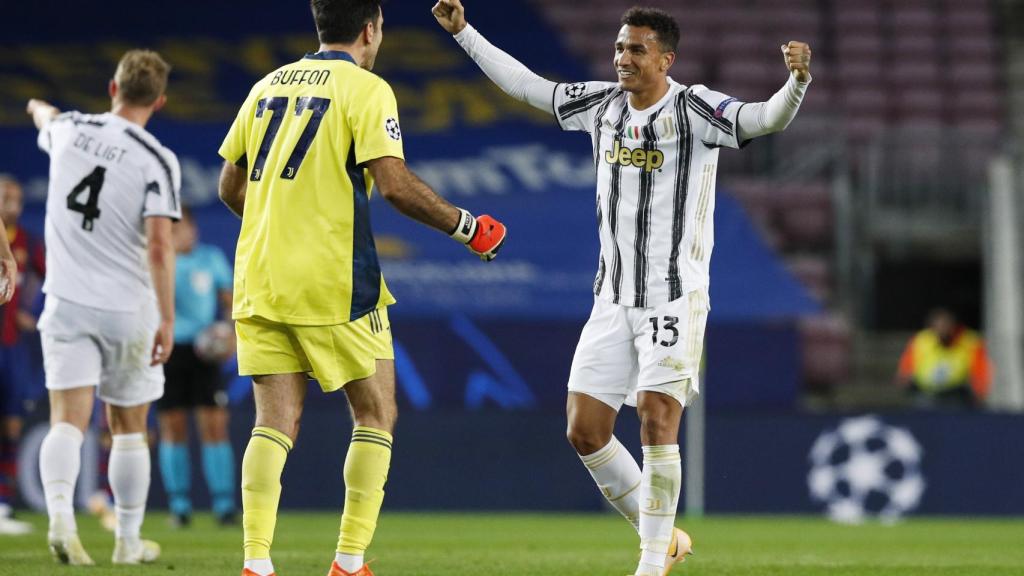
(560, 545)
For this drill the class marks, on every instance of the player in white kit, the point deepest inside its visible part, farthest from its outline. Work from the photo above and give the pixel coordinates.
(656, 145)
(108, 322)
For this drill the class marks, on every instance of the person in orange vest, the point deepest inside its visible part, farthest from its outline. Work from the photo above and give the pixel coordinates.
(946, 364)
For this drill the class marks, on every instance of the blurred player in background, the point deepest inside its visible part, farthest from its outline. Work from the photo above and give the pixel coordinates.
(945, 365)
(108, 322)
(194, 378)
(15, 319)
(309, 143)
(656, 146)
(8, 267)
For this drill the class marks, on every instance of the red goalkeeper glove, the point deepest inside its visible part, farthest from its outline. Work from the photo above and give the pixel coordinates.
(483, 236)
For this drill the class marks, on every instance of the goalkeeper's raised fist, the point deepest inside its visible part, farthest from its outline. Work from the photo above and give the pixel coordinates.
(483, 236)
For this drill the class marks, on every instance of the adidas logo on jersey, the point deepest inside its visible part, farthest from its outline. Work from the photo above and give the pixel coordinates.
(648, 160)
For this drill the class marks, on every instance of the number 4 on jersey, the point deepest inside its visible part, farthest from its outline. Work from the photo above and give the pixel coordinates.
(90, 208)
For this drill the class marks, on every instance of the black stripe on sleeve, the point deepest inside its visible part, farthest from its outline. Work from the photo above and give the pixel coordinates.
(703, 104)
(574, 107)
(79, 119)
(708, 113)
(710, 120)
(685, 136)
(161, 160)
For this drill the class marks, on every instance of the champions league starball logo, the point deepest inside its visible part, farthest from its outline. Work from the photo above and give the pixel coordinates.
(864, 469)
(573, 91)
(392, 128)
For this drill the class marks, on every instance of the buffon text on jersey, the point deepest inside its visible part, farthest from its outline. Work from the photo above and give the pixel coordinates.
(308, 77)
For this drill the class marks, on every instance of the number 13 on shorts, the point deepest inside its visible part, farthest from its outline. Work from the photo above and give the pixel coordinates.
(669, 325)
(676, 332)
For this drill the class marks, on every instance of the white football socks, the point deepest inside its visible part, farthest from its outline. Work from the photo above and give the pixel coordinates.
(659, 495)
(261, 566)
(618, 477)
(60, 458)
(129, 476)
(349, 562)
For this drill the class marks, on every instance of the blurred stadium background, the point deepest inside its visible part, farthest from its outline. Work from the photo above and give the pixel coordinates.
(897, 189)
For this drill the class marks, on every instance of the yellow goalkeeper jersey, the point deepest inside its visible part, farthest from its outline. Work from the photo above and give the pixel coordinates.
(306, 254)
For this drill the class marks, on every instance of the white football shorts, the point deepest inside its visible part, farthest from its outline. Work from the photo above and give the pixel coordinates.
(623, 350)
(85, 346)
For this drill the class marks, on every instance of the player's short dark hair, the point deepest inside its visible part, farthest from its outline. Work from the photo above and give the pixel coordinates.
(341, 21)
(663, 24)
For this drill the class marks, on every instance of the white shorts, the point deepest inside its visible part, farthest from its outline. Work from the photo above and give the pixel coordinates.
(623, 350)
(85, 346)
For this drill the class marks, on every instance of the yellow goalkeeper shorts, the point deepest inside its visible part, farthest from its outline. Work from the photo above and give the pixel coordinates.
(334, 355)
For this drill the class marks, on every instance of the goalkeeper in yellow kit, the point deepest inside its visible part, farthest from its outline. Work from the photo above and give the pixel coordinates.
(307, 146)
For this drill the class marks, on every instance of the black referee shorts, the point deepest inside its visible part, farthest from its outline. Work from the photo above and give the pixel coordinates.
(191, 381)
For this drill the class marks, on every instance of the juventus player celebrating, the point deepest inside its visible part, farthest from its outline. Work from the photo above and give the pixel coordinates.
(108, 323)
(656, 146)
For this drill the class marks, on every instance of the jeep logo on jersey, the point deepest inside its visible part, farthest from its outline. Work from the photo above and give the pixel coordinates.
(648, 160)
(392, 128)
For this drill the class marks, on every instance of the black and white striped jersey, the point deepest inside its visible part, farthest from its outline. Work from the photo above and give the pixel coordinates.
(655, 184)
(106, 176)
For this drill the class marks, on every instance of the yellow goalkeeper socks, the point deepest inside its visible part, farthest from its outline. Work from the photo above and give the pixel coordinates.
(261, 488)
(366, 471)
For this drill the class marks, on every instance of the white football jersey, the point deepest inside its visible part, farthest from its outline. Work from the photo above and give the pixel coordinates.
(106, 176)
(655, 184)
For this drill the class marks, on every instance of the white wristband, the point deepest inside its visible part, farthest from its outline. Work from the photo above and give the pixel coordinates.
(466, 228)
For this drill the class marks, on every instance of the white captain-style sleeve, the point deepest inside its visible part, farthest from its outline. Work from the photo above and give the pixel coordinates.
(760, 118)
(60, 126)
(509, 74)
(572, 104)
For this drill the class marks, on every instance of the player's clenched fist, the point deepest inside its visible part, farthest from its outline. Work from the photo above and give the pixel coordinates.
(483, 236)
(798, 59)
(450, 15)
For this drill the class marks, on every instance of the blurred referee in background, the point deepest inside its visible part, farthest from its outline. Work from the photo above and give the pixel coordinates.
(194, 377)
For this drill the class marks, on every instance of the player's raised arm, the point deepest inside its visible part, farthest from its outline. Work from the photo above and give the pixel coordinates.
(760, 118)
(509, 74)
(41, 112)
(412, 197)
